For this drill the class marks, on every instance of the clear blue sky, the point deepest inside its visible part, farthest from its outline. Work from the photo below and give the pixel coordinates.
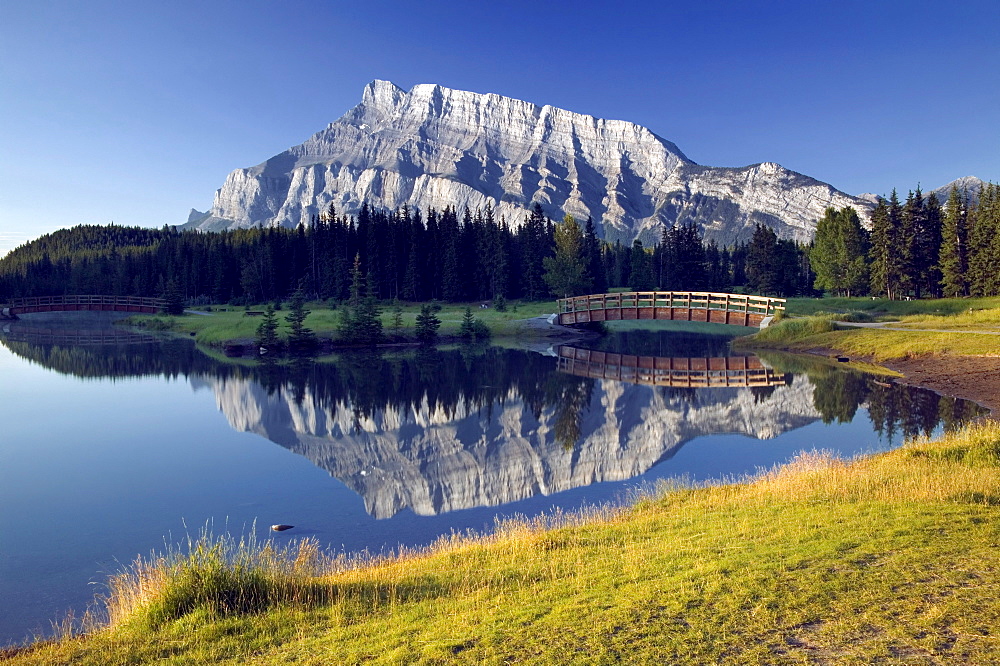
(135, 112)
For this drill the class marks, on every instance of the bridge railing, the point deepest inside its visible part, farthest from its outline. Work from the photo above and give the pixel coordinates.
(699, 300)
(84, 300)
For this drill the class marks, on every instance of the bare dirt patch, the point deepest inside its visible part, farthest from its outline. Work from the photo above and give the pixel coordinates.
(975, 378)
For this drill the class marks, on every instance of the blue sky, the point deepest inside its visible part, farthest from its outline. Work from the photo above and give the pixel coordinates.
(135, 112)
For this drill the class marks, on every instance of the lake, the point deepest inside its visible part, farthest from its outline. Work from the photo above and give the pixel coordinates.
(115, 444)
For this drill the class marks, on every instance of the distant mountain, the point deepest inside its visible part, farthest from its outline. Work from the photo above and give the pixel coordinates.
(434, 147)
(969, 184)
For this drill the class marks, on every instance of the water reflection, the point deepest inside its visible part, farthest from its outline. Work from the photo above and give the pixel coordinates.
(437, 430)
(677, 372)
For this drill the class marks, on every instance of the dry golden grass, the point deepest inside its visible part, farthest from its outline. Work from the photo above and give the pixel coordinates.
(887, 559)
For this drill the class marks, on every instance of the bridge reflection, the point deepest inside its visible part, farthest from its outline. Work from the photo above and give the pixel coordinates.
(703, 372)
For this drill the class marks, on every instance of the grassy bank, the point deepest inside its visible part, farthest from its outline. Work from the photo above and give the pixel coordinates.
(881, 308)
(224, 323)
(889, 559)
(967, 333)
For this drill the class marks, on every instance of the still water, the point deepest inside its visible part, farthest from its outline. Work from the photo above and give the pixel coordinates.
(115, 444)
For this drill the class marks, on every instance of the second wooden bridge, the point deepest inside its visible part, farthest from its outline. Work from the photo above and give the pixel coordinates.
(718, 308)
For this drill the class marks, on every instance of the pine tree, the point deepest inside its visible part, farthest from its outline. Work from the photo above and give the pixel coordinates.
(428, 324)
(267, 333)
(762, 263)
(593, 259)
(884, 258)
(301, 340)
(952, 262)
(929, 248)
(361, 318)
(173, 299)
(471, 328)
(641, 277)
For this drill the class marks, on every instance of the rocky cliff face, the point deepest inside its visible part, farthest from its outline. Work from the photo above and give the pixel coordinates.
(434, 147)
(434, 461)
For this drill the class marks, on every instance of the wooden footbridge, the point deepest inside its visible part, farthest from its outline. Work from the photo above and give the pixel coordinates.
(74, 337)
(76, 303)
(717, 372)
(718, 308)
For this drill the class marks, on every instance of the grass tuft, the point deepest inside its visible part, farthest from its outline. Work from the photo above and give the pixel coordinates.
(219, 576)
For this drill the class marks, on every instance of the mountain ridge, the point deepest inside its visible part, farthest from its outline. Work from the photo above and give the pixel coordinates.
(434, 147)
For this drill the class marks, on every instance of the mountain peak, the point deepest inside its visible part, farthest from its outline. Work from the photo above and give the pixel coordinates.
(382, 94)
(434, 147)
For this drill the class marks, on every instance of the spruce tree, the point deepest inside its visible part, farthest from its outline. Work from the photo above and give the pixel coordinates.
(952, 262)
(882, 260)
(267, 338)
(428, 324)
(762, 261)
(301, 340)
(173, 299)
(641, 276)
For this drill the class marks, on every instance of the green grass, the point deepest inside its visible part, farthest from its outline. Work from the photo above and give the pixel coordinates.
(884, 308)
(821, 332)
(226, 323)
(889, 559)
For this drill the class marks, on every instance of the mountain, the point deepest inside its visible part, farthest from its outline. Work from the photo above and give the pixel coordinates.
(434, 147)
(969, 184)
(433, 459)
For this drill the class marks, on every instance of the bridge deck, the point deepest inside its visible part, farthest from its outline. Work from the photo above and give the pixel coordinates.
(719, 308)
(81, 302)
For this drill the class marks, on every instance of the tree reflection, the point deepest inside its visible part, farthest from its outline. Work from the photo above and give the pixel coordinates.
(476, 377)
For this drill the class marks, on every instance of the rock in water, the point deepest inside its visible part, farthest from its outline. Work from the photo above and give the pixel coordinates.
(281, 528)
(434, 147)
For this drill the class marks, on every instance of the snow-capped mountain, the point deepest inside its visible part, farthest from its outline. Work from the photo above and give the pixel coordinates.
(434, 147)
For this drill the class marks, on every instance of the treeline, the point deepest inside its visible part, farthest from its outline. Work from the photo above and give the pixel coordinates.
(403, 254)
(914, 248)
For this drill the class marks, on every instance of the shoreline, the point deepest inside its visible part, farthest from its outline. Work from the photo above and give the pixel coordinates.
(975, 378)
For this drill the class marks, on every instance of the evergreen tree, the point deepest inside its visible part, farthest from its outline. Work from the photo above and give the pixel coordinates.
(929, 248)
(301, 340)
(361, 318)
(428, 324)
(839, 253)
(594, 260)
(884, 264)
(641, 276)
(952, 262)
(471, 328)
(173, 299)
(534, 250)
(267, 333)
(762, 264)
(566, 272)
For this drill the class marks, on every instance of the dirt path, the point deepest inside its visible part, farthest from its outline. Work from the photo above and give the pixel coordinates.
(886, 326)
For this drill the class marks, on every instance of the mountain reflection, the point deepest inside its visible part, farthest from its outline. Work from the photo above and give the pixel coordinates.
(438, 430)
